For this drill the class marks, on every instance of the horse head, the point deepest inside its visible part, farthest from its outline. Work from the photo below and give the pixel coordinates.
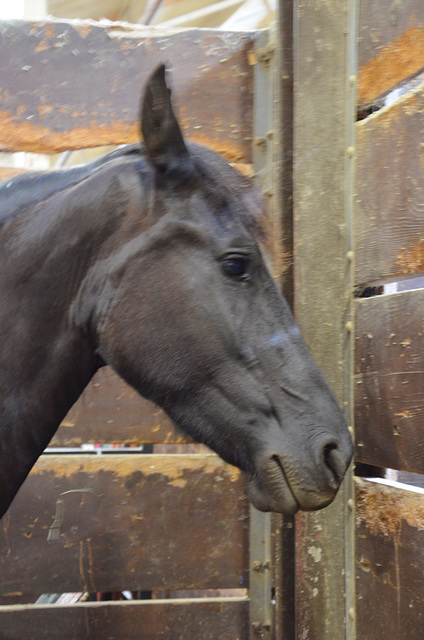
(186, 311)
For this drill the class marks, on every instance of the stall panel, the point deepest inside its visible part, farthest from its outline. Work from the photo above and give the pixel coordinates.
(389, 561)
(126, 522)
(389, 380)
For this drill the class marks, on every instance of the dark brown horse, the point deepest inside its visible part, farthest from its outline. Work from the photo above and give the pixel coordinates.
(148, 260)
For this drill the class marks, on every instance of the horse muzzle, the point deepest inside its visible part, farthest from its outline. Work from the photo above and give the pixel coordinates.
(310, 484)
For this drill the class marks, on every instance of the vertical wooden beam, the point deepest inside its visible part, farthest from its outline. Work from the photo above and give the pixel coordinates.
(284, 126)
(351, 84)
(273, 158)
(323, 165)
(262, 560)
(283, 526)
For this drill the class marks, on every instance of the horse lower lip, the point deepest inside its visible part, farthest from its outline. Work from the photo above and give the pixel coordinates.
(271, 490)
(277, 477)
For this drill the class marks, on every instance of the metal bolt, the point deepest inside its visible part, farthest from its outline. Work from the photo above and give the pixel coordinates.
(258, 627)
(260, 566)
(260, 141)
(265, 55)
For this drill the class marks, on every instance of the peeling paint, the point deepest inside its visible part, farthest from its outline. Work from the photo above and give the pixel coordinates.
(383, 508)
(67, 423)
(395, 62)
(315, 552)
(25, 136)
(179, 482)
(171, 466)
(411, 260)
(208, 59)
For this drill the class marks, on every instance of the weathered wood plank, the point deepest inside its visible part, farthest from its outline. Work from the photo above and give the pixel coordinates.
(130, 522)
(391, 45)
(322, 280)
(389, 380)
(206, 618)
(390, 191)
(47, 104)
(390, 558)
(111, 411)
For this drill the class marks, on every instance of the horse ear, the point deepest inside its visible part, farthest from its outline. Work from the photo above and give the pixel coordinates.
(161, 132)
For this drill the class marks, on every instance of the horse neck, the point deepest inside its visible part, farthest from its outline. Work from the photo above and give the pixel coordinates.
(45, 361)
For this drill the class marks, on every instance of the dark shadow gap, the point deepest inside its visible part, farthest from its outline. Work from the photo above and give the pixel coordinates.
(394, 94)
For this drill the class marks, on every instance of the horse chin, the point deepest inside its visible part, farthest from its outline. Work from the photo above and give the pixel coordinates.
(270, 491)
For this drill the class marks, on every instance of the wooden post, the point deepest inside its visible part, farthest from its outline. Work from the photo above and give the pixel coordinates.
(324, 52)
(283, 526)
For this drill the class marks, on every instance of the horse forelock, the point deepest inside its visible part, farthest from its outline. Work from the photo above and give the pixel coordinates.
(236, 199)
(232, 195)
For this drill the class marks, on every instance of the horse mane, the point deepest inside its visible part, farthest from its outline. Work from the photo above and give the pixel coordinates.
(31, 188)
(231, 193)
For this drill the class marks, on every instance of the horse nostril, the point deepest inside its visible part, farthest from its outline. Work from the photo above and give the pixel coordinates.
(334, 461)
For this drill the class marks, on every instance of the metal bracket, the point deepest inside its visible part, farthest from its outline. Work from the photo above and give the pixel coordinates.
(260, 575)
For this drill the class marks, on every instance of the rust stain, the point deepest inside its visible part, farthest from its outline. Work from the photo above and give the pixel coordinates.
(83, 29)
(406, 414)
(45, 109)
(49, 29)
(42, 46)
(24, 136)
(16, 135)
(411, 260)
(171, 466)
(67, 423)
(397, 61)
(179, 482)
(383, 508)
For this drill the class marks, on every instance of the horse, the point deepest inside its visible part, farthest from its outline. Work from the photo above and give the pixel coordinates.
(149, 259)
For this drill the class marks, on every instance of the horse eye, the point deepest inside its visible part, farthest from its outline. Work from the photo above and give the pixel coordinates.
(236, 266)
